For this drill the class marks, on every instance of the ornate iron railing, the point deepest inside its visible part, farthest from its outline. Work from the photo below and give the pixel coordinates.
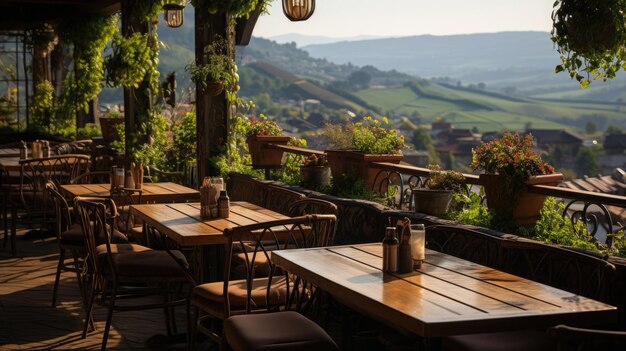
(603, 214)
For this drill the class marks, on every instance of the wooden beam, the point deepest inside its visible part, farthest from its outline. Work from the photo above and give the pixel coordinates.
(212, 112)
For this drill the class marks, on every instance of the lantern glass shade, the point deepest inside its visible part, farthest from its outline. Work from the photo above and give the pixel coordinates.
(298, 10)
(173, 18)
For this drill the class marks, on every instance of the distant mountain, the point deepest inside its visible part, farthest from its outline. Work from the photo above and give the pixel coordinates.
(524, 60)
(303, 40)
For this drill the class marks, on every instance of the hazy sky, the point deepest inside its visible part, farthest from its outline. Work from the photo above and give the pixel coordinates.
(348, 18)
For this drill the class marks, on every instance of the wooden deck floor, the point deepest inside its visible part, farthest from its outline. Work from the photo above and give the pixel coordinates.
(29, 322)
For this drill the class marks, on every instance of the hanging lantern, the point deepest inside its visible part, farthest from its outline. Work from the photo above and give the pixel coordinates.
(173, 12)
(298, 10)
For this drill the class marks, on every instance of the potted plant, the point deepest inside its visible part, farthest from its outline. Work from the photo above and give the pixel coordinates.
(218, 73)
(436, 196)
(589, 36)
(315, 172)
(109, 126)
(510, 164)
(357, 145)
(260, 132)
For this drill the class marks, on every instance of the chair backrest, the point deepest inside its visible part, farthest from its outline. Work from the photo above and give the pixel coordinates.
(256, 242)
(61, 209)
(36, 172)
(242, 187)
(309, 206)
(123, 198)
(559, 267)
(97, 219)
(467, 242)
(280, 199)
(92, 177)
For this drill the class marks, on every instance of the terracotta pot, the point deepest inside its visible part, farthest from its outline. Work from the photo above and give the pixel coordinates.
(526, 209)
(263, 157)
(108, 126)
(342, 162)
(315, 176)
(213, 88)
(432, 202)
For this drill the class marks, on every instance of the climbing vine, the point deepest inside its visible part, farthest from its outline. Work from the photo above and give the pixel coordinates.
(89, 36)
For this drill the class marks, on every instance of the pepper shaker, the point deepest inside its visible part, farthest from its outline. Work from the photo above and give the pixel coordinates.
(223, 205)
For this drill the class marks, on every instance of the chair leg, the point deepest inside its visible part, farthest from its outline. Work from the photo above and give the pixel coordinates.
(88, 311)
(82, 287)
(107, 326)
(13, 230)
(58, 276)
(192, 324)
(166, 311)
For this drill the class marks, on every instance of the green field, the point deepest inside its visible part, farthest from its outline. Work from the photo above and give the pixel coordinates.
(485, 111)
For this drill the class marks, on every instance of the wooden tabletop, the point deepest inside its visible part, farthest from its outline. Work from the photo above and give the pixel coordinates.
(447, 296)
(183, 224)
(11, 152)
(150, 192)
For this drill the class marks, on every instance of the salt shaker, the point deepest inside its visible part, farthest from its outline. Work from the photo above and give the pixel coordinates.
(418, 244)
(390, 251)
(223, 205)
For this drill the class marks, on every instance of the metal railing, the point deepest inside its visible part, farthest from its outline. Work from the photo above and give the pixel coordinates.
(603, 214)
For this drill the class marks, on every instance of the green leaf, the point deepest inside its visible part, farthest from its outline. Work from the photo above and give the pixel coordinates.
(559, 69)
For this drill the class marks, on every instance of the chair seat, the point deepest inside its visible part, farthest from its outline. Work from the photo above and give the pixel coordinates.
(209, 296)
(74, 236)
(139, 263)
(523, 340)
(275, 331)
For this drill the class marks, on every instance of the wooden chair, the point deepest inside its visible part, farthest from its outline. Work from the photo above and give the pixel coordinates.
(570, 338)
(242, 187)
(280, 199)
(124, 271)
(252, 294)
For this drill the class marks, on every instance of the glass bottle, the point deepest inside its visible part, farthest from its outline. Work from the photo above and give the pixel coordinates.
(223, 205)
(390, 251)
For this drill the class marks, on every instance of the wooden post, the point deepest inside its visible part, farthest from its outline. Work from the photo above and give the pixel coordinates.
(212, 112)
(136, 101)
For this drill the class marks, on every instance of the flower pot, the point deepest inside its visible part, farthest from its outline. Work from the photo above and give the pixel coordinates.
(108, 126)
(264, 157)
(213, 88)
(524, 207)
(315, 176)
(343, 162)
(432, 202)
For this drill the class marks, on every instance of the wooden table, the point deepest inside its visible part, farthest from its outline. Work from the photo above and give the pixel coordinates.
(150, 192)
(183, 224)
(447, 296)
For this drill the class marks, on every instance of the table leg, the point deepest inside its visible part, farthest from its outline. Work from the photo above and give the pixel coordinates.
(432, 344)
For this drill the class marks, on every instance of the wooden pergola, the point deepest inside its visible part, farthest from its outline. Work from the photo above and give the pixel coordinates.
(212, 112)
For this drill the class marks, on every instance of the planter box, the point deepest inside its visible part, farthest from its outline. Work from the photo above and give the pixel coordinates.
(263, 157)
(342, 162)
(526, 211)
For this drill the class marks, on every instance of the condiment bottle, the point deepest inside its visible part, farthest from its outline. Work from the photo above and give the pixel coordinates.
(223, 205)
(45, 149)
(390, 251)
(129, 182)
(23, 151)
(418, 244)
(119, 177)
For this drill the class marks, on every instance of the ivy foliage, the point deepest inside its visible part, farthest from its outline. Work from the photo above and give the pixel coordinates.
(235, 8)
(89, 36)
(133, 60)
(590, 36)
